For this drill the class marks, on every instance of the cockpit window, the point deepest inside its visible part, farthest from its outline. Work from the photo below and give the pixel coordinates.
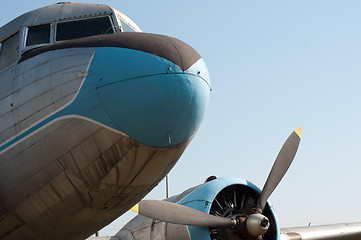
(126, 27)
(83, 28)
(9, 51)
(38, 35)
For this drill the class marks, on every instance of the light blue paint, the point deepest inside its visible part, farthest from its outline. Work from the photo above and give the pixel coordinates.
(145, 101)
(135, 93)
(202, 198)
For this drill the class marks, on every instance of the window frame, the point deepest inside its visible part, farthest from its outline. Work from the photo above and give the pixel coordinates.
(26, 35)
(120, 18)
(113, 27)
(18, 32)
(121, 21)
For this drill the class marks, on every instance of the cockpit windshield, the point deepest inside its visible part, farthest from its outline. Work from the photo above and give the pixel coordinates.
(83, 28)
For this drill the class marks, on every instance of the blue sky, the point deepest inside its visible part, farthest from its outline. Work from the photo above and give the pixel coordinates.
(274, 65)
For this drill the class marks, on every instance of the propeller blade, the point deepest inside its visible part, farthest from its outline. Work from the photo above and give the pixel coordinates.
(179, 214)
(280, 166)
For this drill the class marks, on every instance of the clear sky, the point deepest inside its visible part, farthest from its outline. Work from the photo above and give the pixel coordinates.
(274, 65)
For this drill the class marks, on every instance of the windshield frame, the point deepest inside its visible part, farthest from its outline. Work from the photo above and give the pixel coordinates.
(112, 27)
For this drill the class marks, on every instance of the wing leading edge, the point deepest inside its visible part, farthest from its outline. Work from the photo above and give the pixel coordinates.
(346, 231)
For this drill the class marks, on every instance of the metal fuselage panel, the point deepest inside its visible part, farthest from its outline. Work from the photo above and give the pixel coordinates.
(36, 89)
(77, 168)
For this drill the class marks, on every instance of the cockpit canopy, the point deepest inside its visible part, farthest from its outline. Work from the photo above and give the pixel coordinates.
(59, 22)
(67, 30)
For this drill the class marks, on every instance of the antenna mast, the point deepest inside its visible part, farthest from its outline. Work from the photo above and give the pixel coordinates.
(166, 186)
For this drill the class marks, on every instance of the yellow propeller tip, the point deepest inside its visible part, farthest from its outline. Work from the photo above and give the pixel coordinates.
(298, 131)
(135, 208)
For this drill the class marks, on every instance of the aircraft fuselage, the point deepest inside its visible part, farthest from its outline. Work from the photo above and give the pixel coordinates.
(89, 122)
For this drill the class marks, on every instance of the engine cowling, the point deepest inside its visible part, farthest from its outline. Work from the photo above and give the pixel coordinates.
(227, 197)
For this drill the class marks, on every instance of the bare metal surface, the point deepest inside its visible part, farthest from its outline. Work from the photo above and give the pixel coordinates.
(93, 174)
(290, 236)
(346, 231)
(143, 228)
(39, 87)
(98, 238)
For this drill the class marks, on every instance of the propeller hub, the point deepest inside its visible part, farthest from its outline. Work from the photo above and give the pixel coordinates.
(257, 224)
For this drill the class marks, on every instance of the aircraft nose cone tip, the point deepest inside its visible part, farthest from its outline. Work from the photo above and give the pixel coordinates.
(157, 102)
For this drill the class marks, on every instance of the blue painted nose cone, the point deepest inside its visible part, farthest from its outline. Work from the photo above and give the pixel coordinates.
(150, 98)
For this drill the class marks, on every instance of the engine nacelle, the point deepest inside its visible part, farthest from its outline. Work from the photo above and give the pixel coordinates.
(226, 197)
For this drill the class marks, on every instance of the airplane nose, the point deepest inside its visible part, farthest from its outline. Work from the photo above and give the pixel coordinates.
(154, 88)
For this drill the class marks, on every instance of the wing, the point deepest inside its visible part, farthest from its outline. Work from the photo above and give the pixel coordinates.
(346, 231)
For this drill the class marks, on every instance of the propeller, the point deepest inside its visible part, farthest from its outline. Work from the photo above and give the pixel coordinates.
(179, 214)
(280, 167)
(252, 226)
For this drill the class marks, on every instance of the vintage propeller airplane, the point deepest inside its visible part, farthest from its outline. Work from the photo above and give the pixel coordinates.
(93, 114)
(228, 208)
